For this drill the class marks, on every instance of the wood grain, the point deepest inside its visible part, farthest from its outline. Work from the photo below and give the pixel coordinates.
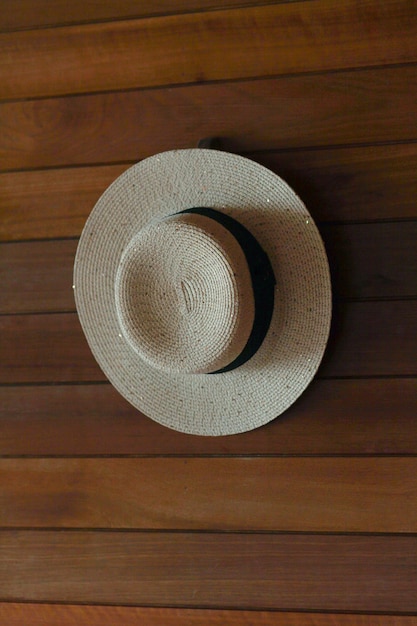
(322, 92)
(372, 339)
(52, 347)
(331, 417)
(346, 107)
(351, 184)
(344, 184)
(368, 339)
(242, 494)
(14, 614)
(372, 260)
(37, 276)
(51, 203)
(367, 261)
(20, 14)
(219, 45)
(289, 572)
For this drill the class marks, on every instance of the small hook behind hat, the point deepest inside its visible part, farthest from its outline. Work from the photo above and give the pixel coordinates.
(213, 143)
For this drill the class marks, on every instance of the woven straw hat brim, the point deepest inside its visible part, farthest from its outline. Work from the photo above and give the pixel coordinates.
(265, 386)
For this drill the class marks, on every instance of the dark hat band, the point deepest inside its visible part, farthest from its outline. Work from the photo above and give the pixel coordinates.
(262, 277)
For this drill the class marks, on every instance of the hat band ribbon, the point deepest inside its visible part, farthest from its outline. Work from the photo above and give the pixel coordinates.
(263, 282)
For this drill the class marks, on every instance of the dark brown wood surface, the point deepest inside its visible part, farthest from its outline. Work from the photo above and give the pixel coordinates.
(360, 573)
(368, 416)
(341, 184)
(50, 615)
(367, 260)
(107, 517)
(52, 348)
(187, 48)
(298, 111)
(246, 494)
(23, 14)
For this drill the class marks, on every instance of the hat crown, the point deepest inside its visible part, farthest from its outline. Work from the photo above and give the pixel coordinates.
(184, 295)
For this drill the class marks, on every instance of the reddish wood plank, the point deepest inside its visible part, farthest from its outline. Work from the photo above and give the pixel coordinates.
(237, 43)
(14, 614)
(51, 203)
(331, 417)
(368, 339)
(52, 347)
(366, 183)
(243, 494)
(19, 14)
(367, 260)
(372, 260)
(372, 339)
(287, 572)
(337, 184)
(37, 276)
(298, 111)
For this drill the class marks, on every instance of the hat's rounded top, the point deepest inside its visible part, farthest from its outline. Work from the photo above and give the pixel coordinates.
(184, 295)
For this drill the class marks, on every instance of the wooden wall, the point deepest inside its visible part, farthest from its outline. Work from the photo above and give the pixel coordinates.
(109, 518)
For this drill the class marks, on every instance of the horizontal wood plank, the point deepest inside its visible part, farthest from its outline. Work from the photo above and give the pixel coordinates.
(243, 494)
(51, 203)
(367, 261)
(287, 572)
(37, 276)
(367, 339)
(53, 348)
(350, 184)
(94, 496)
(372, 260)
(346, 107)
(220, 45)
(372, 339)
(20, 14)
(331, 417)
(344, 184)
(14, 614)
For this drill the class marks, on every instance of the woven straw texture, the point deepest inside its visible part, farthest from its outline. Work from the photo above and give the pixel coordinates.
(265, 386)
(184, 295)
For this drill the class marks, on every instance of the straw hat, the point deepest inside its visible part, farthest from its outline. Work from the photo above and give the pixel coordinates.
(203, 288)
